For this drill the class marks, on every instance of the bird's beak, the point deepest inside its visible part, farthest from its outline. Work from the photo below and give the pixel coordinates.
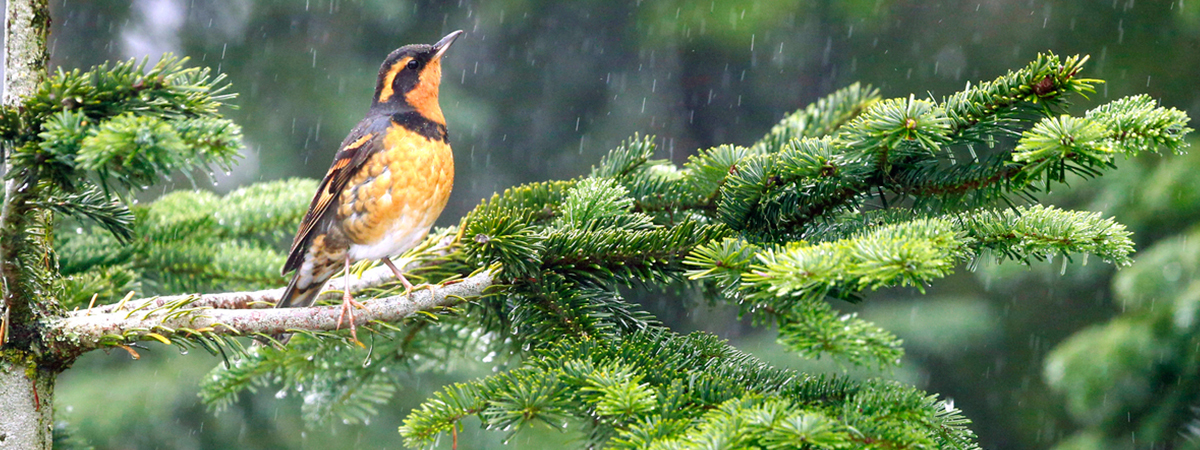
(441, 46)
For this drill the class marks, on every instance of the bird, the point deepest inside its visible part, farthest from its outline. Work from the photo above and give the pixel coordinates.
(389, 181)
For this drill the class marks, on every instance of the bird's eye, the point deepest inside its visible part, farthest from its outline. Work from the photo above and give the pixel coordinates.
(413, 64)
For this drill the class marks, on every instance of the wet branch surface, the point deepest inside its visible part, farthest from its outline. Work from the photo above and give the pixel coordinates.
(91, 329)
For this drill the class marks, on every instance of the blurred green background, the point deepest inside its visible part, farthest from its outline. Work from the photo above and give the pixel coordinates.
(539, 90)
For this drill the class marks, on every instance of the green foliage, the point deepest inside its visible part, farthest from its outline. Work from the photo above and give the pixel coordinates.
(187, 241)
(706, 171)
(1128, 126)
(897, 255)
(787, 284)
(140, 146)
(1137, 124)
(124, 127)
(1040, 232)
(596, 203)
(92, 205)
(1042, 85)
(336, 383)
(780, 228)
(896, 125)
(660, 390)
(628, 157)
(562, 246)
(822, 118)
(68, 146)
(849, 195)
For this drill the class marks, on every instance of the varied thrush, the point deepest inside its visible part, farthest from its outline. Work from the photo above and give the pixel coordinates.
(389, 181)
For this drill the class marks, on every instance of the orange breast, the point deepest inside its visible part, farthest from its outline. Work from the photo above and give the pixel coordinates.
(402, 188)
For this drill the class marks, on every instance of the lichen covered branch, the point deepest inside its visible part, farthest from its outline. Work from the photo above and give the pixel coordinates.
(93, 331)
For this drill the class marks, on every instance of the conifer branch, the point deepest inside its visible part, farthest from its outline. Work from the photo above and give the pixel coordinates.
(821, 118)
(182, 321)
(14, 276)
(656, 389)
(91, 204)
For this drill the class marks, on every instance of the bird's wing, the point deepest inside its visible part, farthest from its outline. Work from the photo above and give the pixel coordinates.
(365, 140)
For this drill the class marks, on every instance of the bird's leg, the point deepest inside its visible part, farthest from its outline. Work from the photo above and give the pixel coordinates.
(348, 303)
(408, 287)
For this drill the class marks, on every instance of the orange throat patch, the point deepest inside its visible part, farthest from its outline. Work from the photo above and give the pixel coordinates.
(424, 97)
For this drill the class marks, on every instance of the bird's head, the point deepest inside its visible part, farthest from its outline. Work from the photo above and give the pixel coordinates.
(410, 77)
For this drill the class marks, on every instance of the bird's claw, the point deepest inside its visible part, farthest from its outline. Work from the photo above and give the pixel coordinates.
(408, 290)
(347, 303)
(408, 287)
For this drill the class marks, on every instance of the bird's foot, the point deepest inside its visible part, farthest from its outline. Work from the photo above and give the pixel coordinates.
(408, 287)
(348, 305)
(432, 289)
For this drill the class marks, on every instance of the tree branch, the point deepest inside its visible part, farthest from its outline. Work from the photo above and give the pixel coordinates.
(373, 277)
(90, 330)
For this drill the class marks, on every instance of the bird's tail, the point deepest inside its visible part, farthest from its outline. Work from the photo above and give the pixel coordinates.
(296, 297)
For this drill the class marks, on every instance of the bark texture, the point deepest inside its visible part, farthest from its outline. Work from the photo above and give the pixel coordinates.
(86, 332)
(26, 394)
(266, 298)
(26, 383)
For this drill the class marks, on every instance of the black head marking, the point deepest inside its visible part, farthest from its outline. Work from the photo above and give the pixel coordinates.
(401, 71)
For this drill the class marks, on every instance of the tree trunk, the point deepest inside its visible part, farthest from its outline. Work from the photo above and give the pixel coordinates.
(26, 27)
(25, 399)
(26, 382)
